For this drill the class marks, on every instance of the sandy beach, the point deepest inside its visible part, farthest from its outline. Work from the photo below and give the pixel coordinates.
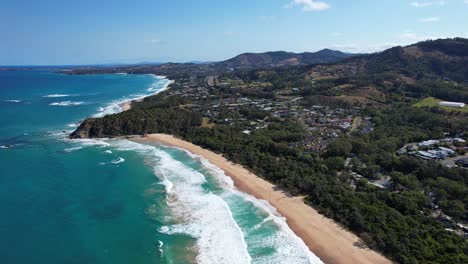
(326, 239)
(128, 104)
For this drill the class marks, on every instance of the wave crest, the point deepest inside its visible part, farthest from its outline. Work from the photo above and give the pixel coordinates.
(58, 95)
(66, 103)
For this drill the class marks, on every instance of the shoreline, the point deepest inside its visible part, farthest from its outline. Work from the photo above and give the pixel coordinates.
(325, 238)
(127, 105)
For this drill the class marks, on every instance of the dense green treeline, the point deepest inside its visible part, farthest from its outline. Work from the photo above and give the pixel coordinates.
(398, 220)
(390, 222)
(139, 121)
(395, 223)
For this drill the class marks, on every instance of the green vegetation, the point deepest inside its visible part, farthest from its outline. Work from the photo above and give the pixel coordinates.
(394, 223)
(386, 221)
(434, 102)
(399, 220)
(428, 102)
(206, 123)
(165, 117)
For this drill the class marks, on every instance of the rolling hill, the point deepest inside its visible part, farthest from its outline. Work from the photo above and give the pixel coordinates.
(437, 68)
(282, 58)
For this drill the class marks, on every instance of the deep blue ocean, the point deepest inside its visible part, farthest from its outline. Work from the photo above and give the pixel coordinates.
(117, 201)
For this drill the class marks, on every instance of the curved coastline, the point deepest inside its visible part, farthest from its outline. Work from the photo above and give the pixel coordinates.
(329, 241)
(326, 239)
(126, 105)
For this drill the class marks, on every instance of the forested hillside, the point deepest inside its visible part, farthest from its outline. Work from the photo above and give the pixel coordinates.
(407, 220)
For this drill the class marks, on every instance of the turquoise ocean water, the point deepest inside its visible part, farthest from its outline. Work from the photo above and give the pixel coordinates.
(116, 201)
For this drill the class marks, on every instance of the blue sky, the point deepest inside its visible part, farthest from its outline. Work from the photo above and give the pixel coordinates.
(51, 32)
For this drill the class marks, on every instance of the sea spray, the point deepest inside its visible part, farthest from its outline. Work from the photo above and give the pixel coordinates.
(159, 84)
(205, 216)
(92, 213)
(257, 225)
(288, 247)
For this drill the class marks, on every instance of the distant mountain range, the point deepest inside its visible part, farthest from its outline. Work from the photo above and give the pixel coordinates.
(247, 61)
(282, 58)
(429, 60)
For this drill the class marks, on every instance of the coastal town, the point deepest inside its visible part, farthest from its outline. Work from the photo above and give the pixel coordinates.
(378, 153)
(225, 102)
(231, 107)
(234, 132)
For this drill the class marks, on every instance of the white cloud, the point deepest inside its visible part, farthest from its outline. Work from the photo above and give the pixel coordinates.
(309, 5)
(345, 47)
(429, 19)
(368, 48)
(427, 3)
(410, 37)
(407, 37)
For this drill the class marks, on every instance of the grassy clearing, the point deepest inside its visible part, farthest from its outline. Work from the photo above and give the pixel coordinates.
(206, 123)
(434, 102)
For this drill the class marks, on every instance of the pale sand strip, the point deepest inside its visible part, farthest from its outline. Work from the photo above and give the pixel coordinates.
(127, 105)
(323, 236)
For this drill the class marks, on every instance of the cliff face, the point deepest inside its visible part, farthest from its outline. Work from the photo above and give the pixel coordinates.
(89, 128)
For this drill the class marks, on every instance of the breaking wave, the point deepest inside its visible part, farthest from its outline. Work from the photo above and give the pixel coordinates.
(116, 106)
(205, 215)
(118, 161)
(66, 103)
(72, 149)
(58, 95)
(289, 248)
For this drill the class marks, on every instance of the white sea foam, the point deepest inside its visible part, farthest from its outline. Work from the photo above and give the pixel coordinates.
(289, 247)
(66, 103)
(72, 149)
(13, 101)
(112, 108)
(206, 216)
(116, 106)
(168, 185)
(108, 152)
(160, 247)
(91, 142)
(118, 161)
(73, 125)
(59, 95)
(60, 134)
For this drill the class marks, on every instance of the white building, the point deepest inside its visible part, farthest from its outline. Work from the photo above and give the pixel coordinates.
(452, 104)
(428, 143)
